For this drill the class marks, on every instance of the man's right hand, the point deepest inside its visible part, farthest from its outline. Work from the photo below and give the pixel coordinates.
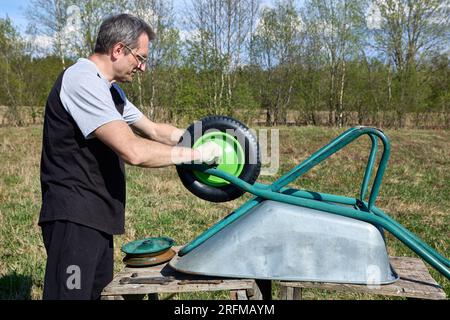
(210, 152)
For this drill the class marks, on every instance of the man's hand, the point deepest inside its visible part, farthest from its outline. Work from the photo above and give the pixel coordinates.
(176, 135)
(210, 152)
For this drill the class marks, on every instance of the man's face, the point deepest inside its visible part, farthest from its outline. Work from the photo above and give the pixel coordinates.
(128, 63)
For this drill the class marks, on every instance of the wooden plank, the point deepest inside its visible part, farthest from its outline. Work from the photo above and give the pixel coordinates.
(117, 289)
(174, 282)
(415, 282)
(180, 282)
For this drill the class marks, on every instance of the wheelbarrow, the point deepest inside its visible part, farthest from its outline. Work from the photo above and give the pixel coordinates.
(297, 235)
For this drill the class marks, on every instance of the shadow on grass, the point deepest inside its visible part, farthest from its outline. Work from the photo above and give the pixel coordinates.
(15, 287)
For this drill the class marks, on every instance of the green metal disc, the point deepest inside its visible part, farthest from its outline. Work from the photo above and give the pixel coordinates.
(148, 245)
(232, 160)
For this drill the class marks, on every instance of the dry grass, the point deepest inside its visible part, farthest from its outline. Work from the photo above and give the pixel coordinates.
(415, 191)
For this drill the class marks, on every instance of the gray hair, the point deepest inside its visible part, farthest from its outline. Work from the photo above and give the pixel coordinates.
(121, 28)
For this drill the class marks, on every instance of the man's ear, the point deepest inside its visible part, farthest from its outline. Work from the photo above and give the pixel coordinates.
(117, 50)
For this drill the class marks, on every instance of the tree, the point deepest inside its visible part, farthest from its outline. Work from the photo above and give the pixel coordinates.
(276, 43)
(48, 18)
(70, 25)
(11, 67)
(23, 81)
(337, 25)
(437, 77)
(155, 88)
(84, 18)
(406, 33)
(220, 30)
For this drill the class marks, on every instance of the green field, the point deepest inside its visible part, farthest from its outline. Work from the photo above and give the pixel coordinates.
(415, 191)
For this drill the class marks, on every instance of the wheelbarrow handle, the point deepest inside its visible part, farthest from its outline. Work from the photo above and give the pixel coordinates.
(334, 146)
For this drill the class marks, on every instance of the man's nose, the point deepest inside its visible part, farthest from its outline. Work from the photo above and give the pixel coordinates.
(142, 67)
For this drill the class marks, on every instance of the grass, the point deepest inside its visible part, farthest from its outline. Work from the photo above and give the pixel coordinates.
(415, 191)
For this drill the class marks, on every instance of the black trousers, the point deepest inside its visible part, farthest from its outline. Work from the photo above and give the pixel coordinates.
(80, 261)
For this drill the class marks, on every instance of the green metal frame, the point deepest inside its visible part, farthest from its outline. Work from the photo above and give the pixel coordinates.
(355, 208)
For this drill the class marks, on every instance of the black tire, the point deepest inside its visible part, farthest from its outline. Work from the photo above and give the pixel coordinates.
(251, 168)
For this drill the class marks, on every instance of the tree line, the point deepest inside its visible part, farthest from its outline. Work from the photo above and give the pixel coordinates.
(333, 62)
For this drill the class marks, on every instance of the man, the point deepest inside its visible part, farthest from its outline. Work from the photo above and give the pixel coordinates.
(88, 135)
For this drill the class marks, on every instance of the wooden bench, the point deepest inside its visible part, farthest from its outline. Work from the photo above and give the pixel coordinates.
(136, 283)
(131, 283)
(415, 282)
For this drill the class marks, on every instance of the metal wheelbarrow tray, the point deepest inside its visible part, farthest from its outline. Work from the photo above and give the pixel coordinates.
(298, 235)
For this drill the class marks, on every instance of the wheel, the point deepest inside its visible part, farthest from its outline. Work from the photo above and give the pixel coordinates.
(241, 157)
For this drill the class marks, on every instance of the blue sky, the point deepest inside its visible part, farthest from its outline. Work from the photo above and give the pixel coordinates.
(15, 10)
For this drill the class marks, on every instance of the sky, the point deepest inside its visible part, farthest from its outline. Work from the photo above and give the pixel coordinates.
(15, 10)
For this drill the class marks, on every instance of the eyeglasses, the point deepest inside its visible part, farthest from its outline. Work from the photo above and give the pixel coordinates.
(141, 59)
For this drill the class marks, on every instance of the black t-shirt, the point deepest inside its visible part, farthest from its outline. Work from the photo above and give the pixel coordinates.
(82, 180)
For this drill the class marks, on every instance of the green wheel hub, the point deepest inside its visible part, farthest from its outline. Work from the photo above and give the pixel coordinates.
(232, 160)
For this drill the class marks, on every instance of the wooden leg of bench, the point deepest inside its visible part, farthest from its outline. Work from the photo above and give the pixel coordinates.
(286, 293)
(238, 295)
(254, 293)
(298, 294)
(290, 293)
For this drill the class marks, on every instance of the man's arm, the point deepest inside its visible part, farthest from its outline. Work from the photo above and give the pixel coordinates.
(142, 152)
(159, 132)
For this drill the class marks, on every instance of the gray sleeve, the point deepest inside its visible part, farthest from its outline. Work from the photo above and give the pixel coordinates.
(88, 100)
(131, 113)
